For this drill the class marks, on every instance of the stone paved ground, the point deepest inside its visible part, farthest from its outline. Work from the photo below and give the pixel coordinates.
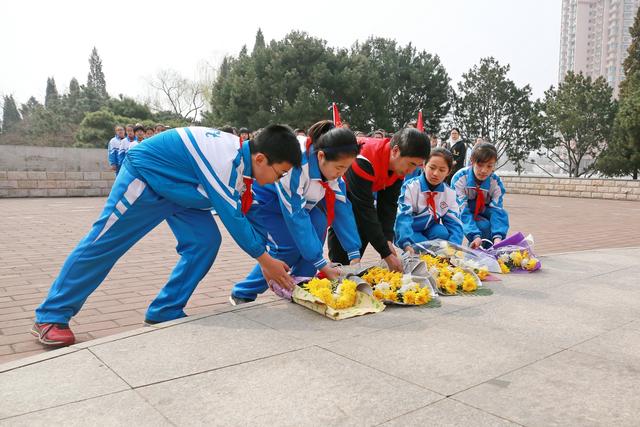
(37, 235)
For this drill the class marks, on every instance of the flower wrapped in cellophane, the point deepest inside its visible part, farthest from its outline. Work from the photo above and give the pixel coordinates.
(451, 279)
(515, 254)
(398, 288)
(346, 297)
(473, 259)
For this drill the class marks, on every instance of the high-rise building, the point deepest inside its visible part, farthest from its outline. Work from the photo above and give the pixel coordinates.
(594, 38)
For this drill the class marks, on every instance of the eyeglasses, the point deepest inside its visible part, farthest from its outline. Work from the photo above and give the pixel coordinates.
(280, 175)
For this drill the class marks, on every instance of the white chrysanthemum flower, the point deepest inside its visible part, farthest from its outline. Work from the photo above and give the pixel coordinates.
(458, 278)
(406, 279)
(434, 271)
(524, 262)
(383, 286)
(505, 257)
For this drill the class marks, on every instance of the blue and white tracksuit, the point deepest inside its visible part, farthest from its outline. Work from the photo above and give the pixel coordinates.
(123, 149)
(113, 148)
(292, 216)
(177, 176)
(415, 221)
(492, 220)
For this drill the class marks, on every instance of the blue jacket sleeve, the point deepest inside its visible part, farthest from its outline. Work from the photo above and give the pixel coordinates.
(403, 227)
(499, 216)
(344, 223)
(297, 218)
(469, 225)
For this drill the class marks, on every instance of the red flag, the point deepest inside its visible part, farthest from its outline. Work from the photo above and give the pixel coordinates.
(420, 123)
(336, 116)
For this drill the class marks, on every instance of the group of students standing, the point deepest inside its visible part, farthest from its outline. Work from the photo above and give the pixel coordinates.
(127, 137)
(280, 196)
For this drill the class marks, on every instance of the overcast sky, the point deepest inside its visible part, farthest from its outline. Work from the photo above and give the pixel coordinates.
(135, 38)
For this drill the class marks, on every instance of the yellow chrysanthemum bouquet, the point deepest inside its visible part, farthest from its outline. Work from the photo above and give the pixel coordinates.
(398, 288)
(453, 280)
(466, 258)
(337, 299)
(515, 254)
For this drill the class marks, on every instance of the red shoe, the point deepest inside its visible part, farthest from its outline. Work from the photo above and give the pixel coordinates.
(53, 334)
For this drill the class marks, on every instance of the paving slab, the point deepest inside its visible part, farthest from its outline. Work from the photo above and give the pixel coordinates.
(125, 408)
(192, 347)
(568, 388)
(54, 382)
(302, 388)
(444, 355)
(448, 412)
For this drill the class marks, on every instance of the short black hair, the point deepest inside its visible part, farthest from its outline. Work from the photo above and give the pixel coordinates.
(456, 129)
(279, 144)
(243, 130)
(484, 152)
(412, 143)
(227, 129)
(334, 142)
(139, 127)
(444, 153)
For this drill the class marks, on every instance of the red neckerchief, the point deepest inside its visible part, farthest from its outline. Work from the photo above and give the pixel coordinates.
(330, 201)
(431, 202)
(247, 197)
(479, 202)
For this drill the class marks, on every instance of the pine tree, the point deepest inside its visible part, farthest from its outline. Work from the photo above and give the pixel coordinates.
(95, 79)
(74, 89)
(51, 97)
(259, 43)
(10, 114)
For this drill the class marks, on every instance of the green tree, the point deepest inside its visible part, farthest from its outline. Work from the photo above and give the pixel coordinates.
(621, 157)
(579, 117)
(399, 81)
(10, 115)
(490, 105)
(32, 104)
(95, 79)
(128, 107)
(259, 43)
(51, 98)
(74, 90)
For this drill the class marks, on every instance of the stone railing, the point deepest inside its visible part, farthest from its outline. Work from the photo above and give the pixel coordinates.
(615, 189)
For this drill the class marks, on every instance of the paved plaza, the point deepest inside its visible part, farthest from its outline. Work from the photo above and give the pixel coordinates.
(38, 234)
(558, 347)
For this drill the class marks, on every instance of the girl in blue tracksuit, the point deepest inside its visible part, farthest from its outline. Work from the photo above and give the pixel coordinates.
(480, 195)
(427, 207)
(177, 176)
(294, 213)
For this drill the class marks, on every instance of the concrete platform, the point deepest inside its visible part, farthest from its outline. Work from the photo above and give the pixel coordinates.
(557, 347)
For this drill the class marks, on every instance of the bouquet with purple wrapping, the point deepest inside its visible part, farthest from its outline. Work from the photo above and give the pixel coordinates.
(515, 254)
(460, 256)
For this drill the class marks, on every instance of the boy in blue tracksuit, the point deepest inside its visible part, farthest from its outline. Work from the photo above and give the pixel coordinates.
(480, 195)
(294, 213)
(427, 207)
(114, 147)
(177, 176)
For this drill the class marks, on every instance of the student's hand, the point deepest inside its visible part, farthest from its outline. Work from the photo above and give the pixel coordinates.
(394, 263)
(408, 249)
(331, 272)
(392, 248)
(477, 242)
(276, 270)
(113, 168)
(497, 240)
